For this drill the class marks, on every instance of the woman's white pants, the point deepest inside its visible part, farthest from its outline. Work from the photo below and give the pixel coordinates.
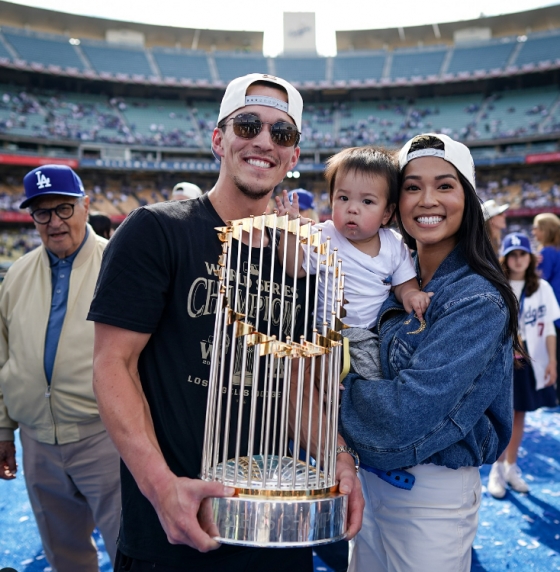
(429, 528)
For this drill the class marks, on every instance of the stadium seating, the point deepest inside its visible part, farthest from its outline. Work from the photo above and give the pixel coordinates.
(348, 67)
(117, 60)
(453, 115)
(46, 51)
(515, 113)
(192, 65)
(539, 49)
(417, 63)
(161, 122)
(302, 70)
(488, 56)
(231, 65)
(170, 64)
(4, 53)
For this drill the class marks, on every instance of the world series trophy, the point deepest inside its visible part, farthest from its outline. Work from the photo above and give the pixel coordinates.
(272, 411)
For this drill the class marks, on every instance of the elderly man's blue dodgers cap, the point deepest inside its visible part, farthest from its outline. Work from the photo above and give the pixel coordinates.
(305, 199)
(51, 180)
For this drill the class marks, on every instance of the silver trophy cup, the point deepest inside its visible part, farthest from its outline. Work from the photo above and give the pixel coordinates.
(272, 412)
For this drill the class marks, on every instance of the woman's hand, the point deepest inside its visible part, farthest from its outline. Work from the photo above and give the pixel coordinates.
(551, 373)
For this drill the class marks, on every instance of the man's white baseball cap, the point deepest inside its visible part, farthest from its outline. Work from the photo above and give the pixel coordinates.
(187, 190)
(454, 152)
(236, 97)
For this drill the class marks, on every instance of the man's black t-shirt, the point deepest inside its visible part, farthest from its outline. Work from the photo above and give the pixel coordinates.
(159, 277)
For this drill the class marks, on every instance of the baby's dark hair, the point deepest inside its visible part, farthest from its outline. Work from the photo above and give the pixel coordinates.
(366, 160)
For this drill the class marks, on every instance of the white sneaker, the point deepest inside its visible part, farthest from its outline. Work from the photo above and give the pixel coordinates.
(496, 481)
(513, 477)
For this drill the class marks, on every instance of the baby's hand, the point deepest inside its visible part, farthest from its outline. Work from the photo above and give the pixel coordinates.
(284, 206)
(417, 301)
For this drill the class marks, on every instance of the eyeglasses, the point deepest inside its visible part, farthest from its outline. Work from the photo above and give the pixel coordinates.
(249, 125)
(63, 211)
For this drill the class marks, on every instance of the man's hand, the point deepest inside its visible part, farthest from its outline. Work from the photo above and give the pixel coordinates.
(349, 484)
(284, 206)
(8, 466)
(185, 511)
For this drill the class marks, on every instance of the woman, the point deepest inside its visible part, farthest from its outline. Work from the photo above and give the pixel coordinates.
(495, 219)
(444, 405)
(546, 230)
(533, 381)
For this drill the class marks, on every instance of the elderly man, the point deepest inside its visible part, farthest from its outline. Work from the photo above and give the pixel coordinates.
(154, 310)
(46, 353)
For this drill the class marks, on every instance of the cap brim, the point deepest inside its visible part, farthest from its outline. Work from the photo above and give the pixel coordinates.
(512, 248)
(502, 209)
(27, 202)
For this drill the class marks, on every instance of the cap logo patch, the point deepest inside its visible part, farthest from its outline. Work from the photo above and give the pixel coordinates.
(42, 181)
(515, 240)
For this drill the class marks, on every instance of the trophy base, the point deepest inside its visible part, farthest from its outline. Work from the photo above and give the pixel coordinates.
(279, 522)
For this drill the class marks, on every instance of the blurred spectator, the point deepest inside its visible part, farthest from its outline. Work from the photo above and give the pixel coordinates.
(495, 220)
(101, 224)
(185, 191)
(306, 202)
(546, 230)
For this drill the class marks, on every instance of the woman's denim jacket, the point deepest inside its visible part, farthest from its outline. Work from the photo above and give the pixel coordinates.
(447, 394)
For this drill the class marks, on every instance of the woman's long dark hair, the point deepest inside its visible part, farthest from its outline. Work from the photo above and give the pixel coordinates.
(474, 241)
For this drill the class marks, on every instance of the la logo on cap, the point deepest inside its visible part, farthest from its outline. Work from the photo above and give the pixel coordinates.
(515, 240)
(42, 181)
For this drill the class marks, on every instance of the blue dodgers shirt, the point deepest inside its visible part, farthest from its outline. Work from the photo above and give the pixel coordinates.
(61, 269)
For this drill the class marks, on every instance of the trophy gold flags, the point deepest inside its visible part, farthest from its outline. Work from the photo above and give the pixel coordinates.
(272, 411)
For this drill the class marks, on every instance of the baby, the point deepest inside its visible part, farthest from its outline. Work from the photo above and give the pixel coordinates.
(363, 188)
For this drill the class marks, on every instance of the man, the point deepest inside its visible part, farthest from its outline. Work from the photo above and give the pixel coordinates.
(185, 191)
(46, 354)
(154, 310)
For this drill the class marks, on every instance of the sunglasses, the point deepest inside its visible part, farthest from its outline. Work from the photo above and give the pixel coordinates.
(249, 125)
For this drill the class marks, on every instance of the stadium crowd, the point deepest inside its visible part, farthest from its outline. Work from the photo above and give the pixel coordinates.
(58, 115)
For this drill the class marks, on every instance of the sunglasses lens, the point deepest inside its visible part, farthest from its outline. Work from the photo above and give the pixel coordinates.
(284, 134)
(247, 125)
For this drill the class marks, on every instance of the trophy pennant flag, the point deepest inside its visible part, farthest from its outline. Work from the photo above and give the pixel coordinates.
(273, 393)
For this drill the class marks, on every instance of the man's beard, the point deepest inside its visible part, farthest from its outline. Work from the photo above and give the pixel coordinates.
(251, 192)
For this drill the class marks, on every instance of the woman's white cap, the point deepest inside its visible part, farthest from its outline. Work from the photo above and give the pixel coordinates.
(236, 97)
(454, 152)
(491, 209)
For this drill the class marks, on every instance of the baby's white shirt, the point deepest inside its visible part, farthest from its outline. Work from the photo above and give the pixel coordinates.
(368, 279)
